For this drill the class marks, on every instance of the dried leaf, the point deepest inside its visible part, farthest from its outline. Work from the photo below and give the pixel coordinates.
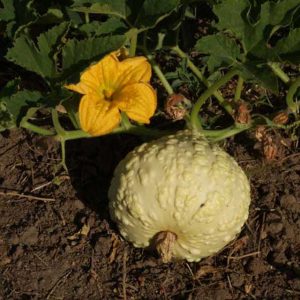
(113, 251)
(84, 230)
(174, 107)
(281, 118)
(205, 270)
(242, 114)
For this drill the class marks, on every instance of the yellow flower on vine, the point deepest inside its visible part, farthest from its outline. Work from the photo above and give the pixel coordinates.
(112, 86)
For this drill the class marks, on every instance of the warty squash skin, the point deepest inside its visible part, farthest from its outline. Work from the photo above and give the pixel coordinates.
(180, 184)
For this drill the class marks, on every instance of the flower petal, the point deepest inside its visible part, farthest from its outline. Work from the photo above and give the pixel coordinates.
(134, 70)
(97, 116)
(137, 100)
(98, 77)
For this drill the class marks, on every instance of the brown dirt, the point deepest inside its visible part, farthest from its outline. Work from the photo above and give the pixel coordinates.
(57, 241)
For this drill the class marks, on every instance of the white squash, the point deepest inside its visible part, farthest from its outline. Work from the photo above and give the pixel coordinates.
(180, 193)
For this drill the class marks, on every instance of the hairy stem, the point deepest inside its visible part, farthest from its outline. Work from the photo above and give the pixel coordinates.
(221, 134)
(159, 73)
(195, 122)
(201, 77)
(293, 105)
(36, 129)
(275, 67)
(87, 17)
(239, 88)
(133, 42)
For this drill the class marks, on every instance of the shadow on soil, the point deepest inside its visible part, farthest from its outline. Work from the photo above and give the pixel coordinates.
(91, 163)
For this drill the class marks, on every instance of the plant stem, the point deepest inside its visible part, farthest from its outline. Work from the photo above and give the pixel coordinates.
(293, 105)
(239, 88)
(279, 72)
(59, 129)
(125, 121)
(195, 111)
(87, 17)
(218, 135)
(36, 129)
(60, 136)
(159, 73)
(201, 77)
(133, 42)
(75, 134)
(190, 64)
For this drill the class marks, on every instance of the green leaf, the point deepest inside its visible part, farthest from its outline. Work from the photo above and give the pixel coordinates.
(6, 118)
(14, 105)
(111, 26)
(231, 15)
(21, 101)
(77, 55)
(253, 71)
(7, 13)
(117, 8)
(289, 48)
(234, 15)
(53, 15)
(153, 11)
(24, 15)
(37, 57)
(282, 11)
(223, 50)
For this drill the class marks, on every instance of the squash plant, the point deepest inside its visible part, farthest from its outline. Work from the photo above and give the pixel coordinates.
(106, 51)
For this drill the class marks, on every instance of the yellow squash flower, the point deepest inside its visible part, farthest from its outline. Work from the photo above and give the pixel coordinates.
(111, 86)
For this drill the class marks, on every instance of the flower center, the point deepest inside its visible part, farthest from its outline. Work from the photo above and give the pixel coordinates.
(108, 95)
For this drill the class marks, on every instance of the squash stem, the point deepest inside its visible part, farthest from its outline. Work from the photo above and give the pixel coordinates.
(164, 242)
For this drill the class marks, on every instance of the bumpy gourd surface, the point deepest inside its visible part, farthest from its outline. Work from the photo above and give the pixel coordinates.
(182, 184)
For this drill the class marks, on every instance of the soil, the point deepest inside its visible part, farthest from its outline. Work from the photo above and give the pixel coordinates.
(58, 242)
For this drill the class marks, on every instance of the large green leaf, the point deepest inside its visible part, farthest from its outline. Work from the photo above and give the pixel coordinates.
(7, 13)
(289, 47)
(256, 72)
(6, 118)
(22, 13)
(111, 26)
(19, 102)
(140, 14)
(231, 16)
(153, 11)
(77, 55)
(117, 8)
(14, 105)
(38, 57)
(223, 50)
(282, 11)
(234, 15)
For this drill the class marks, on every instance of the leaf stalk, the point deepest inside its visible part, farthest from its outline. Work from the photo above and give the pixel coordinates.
(202, 78)
(275, 67)
(239, 88)
(293, 105)
(195, 122)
